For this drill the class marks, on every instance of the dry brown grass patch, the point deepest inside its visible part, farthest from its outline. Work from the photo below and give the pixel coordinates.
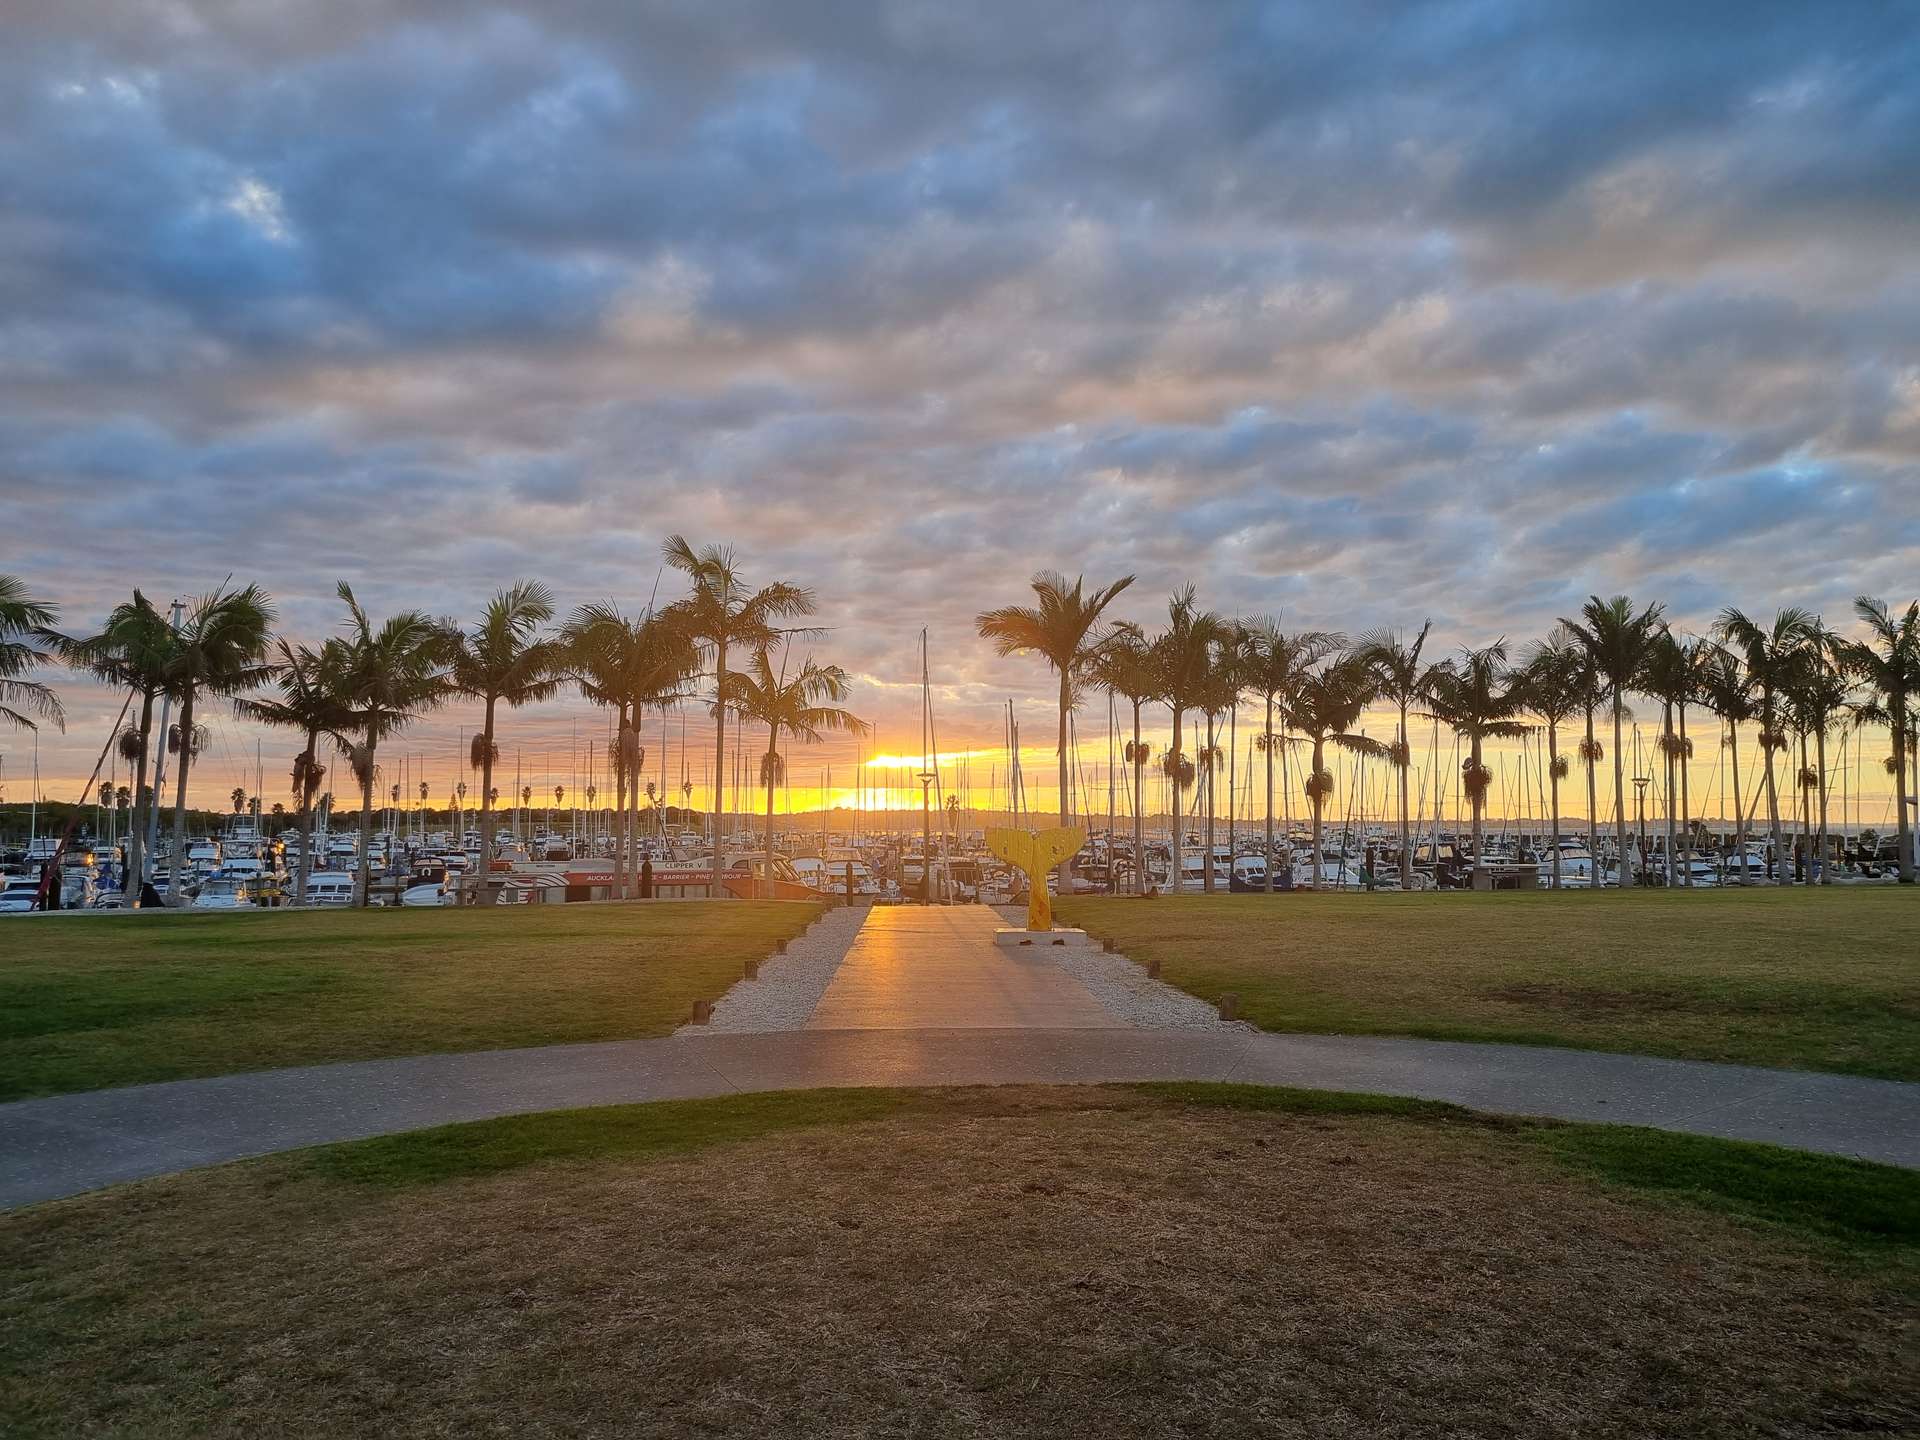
(1031, 1262)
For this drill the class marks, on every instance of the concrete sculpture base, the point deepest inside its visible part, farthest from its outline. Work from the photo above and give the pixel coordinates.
(1014, 938)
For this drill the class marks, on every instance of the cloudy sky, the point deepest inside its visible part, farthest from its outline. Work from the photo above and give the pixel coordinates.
(1358, 313)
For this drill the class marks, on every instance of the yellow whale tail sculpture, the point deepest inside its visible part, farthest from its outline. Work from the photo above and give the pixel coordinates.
(1034, 853)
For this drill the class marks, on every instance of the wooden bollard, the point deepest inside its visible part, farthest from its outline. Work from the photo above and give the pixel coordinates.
(753, 969)
(1107, 946)
(779, 947)
(1229, 1006)
(1153, 969)
(702, 1012)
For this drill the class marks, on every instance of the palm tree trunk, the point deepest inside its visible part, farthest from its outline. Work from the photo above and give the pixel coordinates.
(307, 789)
(1139, 820)
(1065, 871)
(1478, 798)
(773, 756)
(1897, 706)
(479, 887)
(620, 830)
(1233, 783)
(1593, 798)
(625, 837)
(1178, 880)
(719, 754)
(1783, 874)
(1206, 873)
(363, 866)
(1686, 806)
(1739, 806)
(1672, 838)
(1268, 737)
(1620, 798)
(630, 812)
(136, 872)
(177, 862)
(1804, 868)
(1318, 798)
(1820, 755)
(1553, 786)
(1403, 761)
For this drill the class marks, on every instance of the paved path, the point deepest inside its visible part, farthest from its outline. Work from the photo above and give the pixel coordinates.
(918, 967)
(923, 997)
(70, 1143)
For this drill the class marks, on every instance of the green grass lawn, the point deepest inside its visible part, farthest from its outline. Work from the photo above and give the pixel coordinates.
(88, 1002)
(1817, 980)
(979, 1264)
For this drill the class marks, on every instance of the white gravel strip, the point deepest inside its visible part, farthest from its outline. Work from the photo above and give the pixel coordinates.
(1124, 989)
(790, 985)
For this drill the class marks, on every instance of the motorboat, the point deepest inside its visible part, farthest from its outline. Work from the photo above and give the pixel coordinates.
(428, 893)
(18, 892)
(225, 892)
(329, 887)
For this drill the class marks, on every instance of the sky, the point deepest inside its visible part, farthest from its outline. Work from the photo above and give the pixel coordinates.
(1356, 314)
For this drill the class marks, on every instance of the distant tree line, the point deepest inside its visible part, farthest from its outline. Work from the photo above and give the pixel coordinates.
(1790, 676)
(350, 694)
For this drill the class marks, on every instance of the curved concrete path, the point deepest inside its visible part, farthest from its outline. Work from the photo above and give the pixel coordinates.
(67, 1144)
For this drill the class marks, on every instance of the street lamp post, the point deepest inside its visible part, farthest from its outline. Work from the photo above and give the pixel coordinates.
(1640, 787)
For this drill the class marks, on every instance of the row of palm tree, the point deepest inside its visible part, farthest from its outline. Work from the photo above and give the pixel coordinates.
(1791, 675)
(358, 689)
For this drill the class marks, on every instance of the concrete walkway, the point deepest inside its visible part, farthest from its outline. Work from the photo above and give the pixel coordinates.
(70, 1143)
(917, 967)
(923, 997)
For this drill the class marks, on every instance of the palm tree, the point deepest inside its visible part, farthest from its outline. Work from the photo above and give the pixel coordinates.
(1772, 654)
(500, 661)
(1724, 690)
(1326, 703)
(1061, 628)
(1399, 676)
(722, 614)
(1480, 699)
(1669, 677)
(629, 665)
(309, 703)
(27, 641)
(1125, 667)
(1887, 662)
(388, 675)
(1694, 654)
(220, 649)
(1219, 695)
(1819, 694)
(1274, 664)
(793, 704)
(131, 651)
(1592, 752)
(1555, 687)
(1182, 658)
(1617, 638)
